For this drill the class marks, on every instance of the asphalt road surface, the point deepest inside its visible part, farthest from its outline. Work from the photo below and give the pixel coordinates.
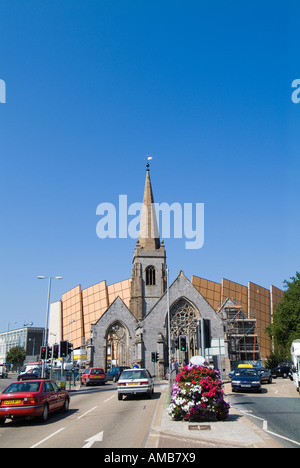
(276, 409)
(96, 419)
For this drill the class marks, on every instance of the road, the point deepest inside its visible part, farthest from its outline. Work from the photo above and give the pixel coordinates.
(276, 410)
(96, 419)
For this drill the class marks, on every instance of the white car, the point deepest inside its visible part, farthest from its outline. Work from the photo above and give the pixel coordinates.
(135, 382)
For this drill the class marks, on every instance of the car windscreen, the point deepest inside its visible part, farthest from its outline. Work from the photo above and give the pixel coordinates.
(23, 387)
(129, 375)
(97, 371)
(246, 372)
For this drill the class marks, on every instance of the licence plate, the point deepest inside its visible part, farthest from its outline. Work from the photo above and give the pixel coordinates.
(12, 402)
(132, 383)
(246, 386)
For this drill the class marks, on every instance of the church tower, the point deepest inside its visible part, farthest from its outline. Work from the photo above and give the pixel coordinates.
(149, 277)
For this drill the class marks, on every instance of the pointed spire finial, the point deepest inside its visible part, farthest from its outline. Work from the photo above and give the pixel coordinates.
(148, 158)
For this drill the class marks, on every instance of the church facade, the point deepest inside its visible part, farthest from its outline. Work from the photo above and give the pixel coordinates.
(126, 322)
(131, 334)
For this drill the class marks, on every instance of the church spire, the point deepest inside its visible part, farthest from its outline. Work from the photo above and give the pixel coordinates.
(148, 278)
(149, 236)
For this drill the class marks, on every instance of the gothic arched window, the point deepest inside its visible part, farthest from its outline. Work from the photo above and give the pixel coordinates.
(150, 276)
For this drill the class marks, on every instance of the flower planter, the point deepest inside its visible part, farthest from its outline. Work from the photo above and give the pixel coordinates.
(198, 396)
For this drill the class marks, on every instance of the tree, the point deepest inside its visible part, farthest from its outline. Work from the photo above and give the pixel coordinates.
(286, 318)
(16, 355)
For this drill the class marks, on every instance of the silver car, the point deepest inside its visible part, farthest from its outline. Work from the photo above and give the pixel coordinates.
(265, 375)
(135, 382)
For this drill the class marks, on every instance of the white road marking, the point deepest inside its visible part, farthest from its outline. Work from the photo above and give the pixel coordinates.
(265, 428)
(109, 398)
(46, 438)
(96, 438)
(79, 417)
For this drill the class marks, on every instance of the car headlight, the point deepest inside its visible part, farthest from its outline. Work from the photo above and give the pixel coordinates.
(238, 382)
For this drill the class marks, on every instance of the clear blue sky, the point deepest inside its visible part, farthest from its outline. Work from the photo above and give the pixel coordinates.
(93, 86)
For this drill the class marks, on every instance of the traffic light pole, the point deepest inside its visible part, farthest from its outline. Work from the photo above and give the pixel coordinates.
(202, 339)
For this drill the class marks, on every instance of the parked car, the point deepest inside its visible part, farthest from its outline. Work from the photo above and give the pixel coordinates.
(246, 379)
(281, 371)
(93, 376)
(33, 374)
(3, 373)
(33, 398)
(265, 375)
(115, 372)
(135, 382)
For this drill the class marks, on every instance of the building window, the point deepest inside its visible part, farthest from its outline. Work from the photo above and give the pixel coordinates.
(150, 276)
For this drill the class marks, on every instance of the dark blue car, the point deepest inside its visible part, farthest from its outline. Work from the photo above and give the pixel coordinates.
(115, 372)
(246, 379)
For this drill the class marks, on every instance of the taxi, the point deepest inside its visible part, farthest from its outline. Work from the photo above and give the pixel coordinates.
(246, 378)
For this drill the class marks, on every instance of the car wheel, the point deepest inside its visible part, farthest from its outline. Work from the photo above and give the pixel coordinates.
(65, 408)
(2, 421)
(45, 413)
(120, 396)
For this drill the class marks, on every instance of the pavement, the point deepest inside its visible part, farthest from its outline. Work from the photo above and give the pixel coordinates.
(238, 431)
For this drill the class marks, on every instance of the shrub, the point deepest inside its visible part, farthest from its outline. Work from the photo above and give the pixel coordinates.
(197, 395)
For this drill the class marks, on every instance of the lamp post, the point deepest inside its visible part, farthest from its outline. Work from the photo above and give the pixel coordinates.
(70, 321)
(7, 337)
(169, 328)
(47, 312)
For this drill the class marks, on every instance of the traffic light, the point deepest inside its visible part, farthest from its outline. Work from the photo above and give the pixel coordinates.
(63, 349)
(203, 334)
(49, 352)
(207, 333)
(70, 348)
(153, 357)
(182, 343)
(55, 351)
(156, 357)
(43, 352)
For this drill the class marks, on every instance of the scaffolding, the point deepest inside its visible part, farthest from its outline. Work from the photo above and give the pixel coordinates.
(240, 332)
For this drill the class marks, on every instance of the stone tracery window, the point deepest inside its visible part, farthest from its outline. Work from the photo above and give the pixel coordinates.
(183, 319)
(117, 345)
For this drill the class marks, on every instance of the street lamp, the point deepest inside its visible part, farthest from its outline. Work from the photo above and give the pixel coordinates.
(47, 311)
(29, 324)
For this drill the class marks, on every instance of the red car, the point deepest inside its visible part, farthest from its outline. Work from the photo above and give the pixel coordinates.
(33, 398)
(93, 375)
